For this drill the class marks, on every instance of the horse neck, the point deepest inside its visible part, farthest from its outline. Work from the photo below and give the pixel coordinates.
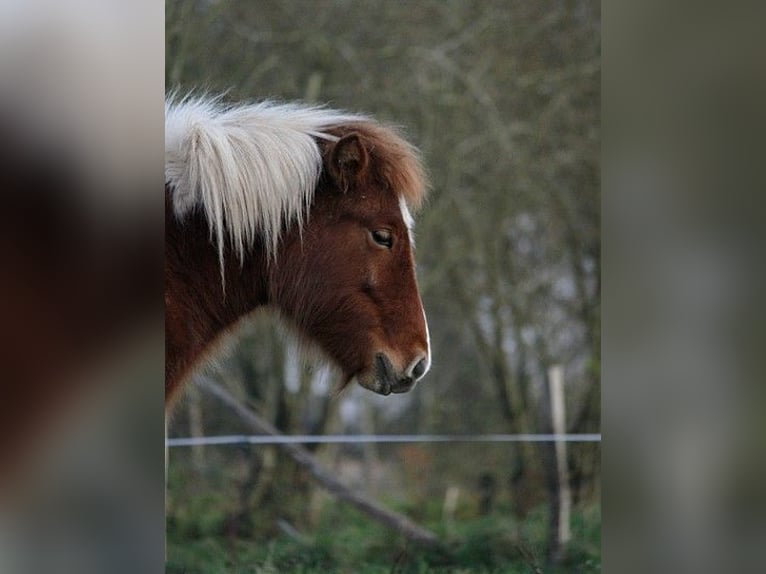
(200, 305)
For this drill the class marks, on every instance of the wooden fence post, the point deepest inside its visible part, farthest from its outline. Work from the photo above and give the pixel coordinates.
(562, 535)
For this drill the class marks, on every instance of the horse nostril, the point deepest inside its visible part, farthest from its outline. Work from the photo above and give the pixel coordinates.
(420, 369)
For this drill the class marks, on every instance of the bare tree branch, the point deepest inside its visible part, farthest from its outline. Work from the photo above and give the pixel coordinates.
(391, 519)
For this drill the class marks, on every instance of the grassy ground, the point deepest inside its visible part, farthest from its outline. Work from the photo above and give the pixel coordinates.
(348, 542)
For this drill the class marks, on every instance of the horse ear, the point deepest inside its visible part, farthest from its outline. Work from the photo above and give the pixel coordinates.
(349, 158)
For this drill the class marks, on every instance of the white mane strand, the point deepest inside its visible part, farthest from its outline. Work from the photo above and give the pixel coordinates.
(250, 168)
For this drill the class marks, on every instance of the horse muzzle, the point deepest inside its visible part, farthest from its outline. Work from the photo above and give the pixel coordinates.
(384, 379)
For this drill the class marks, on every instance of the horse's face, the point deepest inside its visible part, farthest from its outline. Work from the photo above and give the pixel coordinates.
(348, 279)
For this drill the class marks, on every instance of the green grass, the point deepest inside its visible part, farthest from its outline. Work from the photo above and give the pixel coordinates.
(346, 541)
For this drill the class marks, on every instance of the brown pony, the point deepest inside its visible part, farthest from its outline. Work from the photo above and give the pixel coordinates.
(298, 208)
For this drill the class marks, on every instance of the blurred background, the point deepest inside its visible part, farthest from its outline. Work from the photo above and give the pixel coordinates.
(503, 99)
(81, 251)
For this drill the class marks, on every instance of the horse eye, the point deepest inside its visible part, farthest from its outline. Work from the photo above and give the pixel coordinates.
(383, 237)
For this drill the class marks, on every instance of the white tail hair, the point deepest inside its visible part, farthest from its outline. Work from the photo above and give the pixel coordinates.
(250, 168)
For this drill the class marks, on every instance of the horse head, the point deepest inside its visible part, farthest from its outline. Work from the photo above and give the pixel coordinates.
(347, 276)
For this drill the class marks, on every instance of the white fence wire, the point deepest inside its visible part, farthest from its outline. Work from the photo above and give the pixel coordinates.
(356, 439)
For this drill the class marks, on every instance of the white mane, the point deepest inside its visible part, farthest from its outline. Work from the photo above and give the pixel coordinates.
(250, 168)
